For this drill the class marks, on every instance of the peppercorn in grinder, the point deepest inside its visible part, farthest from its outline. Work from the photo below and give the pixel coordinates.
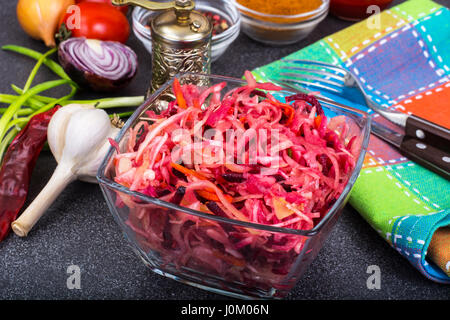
(181, 39)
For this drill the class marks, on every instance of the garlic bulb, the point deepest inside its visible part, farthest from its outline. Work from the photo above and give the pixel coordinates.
(78, 138)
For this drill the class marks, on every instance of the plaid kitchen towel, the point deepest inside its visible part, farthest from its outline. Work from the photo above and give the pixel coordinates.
(404, 64)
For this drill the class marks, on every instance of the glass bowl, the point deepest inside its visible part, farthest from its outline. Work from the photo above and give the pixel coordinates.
(158, 230)
(355, 10)
(219, 43)
(280, 29)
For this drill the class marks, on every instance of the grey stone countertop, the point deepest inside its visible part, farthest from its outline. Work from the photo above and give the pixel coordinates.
(78, 229)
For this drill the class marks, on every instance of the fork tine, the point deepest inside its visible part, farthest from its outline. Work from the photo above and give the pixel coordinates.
(296, 87)
(317, 63)
(323, 77)
(290, 86)
(309, 84)
(313, 78)
(317, 71)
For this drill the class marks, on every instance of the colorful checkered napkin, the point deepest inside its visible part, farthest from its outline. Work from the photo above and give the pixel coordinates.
(405, 66)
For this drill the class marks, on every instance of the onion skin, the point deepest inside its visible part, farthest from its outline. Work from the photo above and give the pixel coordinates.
(40, 18)
(80, 68)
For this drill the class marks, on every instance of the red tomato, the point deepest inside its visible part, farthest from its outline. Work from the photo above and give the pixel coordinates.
(98, 21)
(124, 9)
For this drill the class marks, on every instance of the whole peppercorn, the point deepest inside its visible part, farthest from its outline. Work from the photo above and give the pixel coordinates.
(219, 23)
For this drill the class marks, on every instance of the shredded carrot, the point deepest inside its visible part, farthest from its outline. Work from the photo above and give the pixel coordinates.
(179, 94)
(291, 115)
(187, 171)
(211, 195)
(197, 103)
(317, 121)
(289, 111)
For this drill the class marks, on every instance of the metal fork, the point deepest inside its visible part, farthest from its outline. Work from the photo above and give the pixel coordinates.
(418, 131)
(334, 79)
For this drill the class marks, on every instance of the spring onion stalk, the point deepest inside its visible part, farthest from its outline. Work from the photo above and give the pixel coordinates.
(35, 104)
(51, 104)
(45, 108)
(20, 121)
(14, 126)
(33, 73)
(39, 98)
(16, 105)
(31, 103)
(7, 140)
(21, 113)
(37, 101)
(108, 103)
(42, 59)
(7, 98)
(52, 65)
(103, 103)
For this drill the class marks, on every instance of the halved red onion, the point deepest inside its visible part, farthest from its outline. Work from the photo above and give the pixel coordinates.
(99, 65)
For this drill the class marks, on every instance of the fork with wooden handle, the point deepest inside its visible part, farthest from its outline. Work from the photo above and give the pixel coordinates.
(424, 142)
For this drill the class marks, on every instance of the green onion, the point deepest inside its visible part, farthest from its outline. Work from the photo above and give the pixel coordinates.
(21, 112)
(32, 75)
(36, 68)
(103, 103)
(108, 103)
(15, 106)
(39, 98)
(7, 140)
(32, 103)
(52, 65)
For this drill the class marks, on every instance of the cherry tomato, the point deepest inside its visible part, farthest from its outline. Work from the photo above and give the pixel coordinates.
(98, 21)
(124, 9)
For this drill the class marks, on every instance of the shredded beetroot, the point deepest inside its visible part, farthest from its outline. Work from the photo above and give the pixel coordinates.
(288, 182)
(308, 98)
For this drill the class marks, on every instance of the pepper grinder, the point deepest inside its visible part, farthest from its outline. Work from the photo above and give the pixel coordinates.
(181, 39)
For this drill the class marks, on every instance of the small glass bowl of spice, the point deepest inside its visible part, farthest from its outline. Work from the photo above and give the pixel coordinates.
(355, 10)
(281, 22)
(223, 14)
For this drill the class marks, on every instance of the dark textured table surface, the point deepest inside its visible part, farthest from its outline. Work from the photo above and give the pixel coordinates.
(79, 230)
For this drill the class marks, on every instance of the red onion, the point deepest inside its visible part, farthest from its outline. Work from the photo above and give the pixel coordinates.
(98, 65)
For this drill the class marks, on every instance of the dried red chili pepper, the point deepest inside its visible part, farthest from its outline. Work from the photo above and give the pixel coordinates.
(18, 164)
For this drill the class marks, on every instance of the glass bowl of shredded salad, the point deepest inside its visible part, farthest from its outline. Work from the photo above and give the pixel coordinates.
(232, 185)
